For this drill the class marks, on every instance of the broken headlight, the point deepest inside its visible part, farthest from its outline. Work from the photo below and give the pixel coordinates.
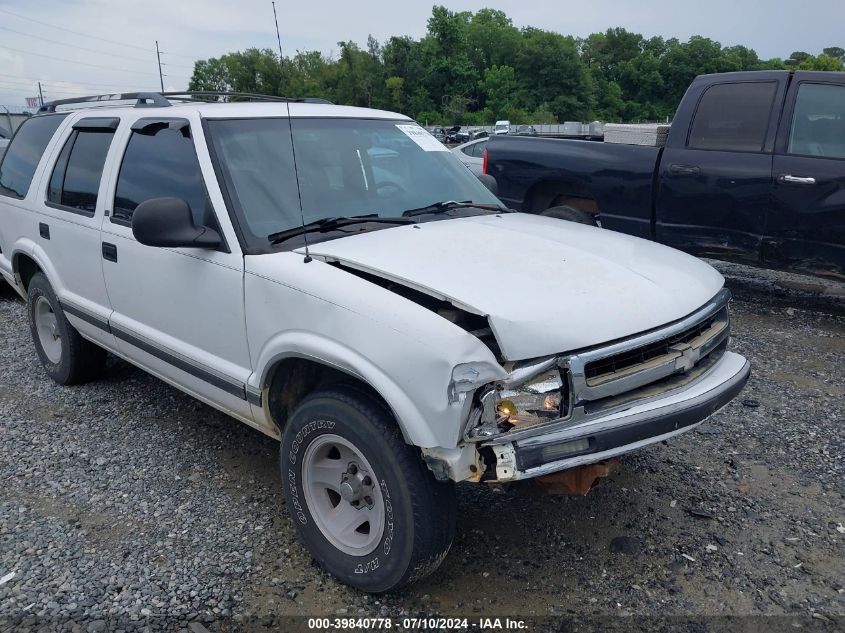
(501, 407)
(542, 399)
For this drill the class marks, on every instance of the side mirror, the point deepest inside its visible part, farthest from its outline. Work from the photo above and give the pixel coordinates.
(169, 222)
(488, 181)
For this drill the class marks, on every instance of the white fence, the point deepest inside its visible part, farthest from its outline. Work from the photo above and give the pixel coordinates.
(568, 128)
(10, 119)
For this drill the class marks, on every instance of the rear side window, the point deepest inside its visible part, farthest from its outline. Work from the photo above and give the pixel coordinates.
(23, 154)
(477, 150)
(818, 125)
(76, 176)
(161, 161)
(733, 117)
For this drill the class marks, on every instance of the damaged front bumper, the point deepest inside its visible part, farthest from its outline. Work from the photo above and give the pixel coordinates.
(589, 405)
(550, 450)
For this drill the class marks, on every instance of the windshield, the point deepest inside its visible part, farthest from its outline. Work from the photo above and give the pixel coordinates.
(344, 167)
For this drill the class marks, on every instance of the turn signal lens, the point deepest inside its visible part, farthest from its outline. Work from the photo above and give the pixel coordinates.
(560, 451)
(506, 407)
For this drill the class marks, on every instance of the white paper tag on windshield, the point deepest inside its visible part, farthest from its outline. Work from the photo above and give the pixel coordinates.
(422, 138)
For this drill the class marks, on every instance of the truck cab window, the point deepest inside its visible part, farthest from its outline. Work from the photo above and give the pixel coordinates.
(23, 154)
(818, 124)
(733, 117)
(76, 176)
(161, 162)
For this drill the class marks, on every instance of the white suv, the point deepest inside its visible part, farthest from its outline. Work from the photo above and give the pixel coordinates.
(335, 278)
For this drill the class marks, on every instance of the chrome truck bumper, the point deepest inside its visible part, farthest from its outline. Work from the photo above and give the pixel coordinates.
(623, 431)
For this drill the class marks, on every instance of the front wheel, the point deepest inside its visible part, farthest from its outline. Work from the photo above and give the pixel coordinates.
(367, 507)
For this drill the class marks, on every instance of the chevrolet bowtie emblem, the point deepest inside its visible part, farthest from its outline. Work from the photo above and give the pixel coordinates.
(687, 359)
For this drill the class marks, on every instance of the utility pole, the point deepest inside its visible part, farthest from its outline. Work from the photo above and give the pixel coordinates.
(160, 76)
(40, 95)
(278, 37)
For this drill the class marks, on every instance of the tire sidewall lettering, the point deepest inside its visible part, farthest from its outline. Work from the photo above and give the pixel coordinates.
(388, 519)
(387, 540)
(293, 455)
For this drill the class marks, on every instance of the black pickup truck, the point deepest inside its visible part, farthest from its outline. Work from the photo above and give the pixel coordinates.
(753, 169)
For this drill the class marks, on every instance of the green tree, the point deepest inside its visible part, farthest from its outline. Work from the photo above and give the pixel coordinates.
(498, 86)
(396, 88)
(796, 58)
(836, 52)
(549, 71)
(475, 67)
(820, 62)
(491, 40)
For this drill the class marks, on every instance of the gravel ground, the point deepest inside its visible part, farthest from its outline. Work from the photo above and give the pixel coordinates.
(126, 504)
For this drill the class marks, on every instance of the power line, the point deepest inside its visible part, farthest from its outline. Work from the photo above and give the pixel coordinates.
(29, 93)
(88, 91)
(74, 61)
(86, 35)
(33, 80)
(22, 83)
(90, 50)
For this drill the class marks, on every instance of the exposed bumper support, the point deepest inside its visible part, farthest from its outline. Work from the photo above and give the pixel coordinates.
(627, 430)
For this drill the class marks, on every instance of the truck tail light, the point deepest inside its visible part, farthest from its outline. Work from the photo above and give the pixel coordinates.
(484, 164)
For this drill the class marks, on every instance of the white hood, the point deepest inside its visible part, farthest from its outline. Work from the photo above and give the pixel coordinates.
(546, 285)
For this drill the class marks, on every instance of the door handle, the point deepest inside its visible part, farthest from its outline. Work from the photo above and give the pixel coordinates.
(684, 170)
(44, 230)
(796, 180)
(109, 252)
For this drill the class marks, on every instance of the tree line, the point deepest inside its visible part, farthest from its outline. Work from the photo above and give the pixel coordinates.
(474, 68)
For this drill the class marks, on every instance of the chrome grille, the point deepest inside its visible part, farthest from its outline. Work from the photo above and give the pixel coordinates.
(630, 365)
(644, 367)
(670, 348)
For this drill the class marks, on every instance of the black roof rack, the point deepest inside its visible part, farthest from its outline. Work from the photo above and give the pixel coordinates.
(251, 96)
(190, 95)
(162, 99)
(142, 99)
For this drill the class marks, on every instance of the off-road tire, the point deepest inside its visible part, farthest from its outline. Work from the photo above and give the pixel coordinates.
(572, 215)
(419, 511)
(80, 360)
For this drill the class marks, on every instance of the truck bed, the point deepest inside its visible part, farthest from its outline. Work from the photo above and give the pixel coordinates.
(533, 172)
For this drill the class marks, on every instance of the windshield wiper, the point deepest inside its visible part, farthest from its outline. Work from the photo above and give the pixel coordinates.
(329, 224)
(447, 205)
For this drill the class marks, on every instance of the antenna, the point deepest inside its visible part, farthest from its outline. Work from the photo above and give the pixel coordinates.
(298, 191)
(278, 37)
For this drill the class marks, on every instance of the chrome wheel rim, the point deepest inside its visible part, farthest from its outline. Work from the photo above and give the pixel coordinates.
(47, 326)
(342, 494)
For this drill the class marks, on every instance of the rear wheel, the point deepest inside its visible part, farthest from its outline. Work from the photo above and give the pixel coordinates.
(572, 215)
(367, 507)
(66, 356)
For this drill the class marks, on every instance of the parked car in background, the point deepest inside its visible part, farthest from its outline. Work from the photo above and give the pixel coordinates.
(5, 135)
(753, 169)
(478, 133)
(438, 132)
(398, 330)
(471, 154)
(457, 134)
(502, 127)
(526, 130)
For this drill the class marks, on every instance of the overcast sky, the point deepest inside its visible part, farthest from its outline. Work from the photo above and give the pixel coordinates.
(68, 63)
